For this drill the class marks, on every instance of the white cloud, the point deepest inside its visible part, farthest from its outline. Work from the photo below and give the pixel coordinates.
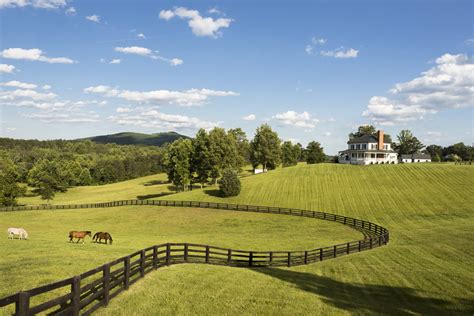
(200, 26)
(309, 49)
(71, 11)
(448, 84)
(340, 53)
(123, 110)
(151, 118)
(5, 68)
(46, 87)
(190, 97)
(115, 61)
(136, 50)
(292, 118)
(250, 117)
(21, 94)
(141, 35)
(33, 54)
(327, 134)
(94, 18)
(318, 41)
(146, 52)
(18, 84)
(40, 4)
(55, 117)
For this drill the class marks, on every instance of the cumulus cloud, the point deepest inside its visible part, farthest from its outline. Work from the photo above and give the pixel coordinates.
(292, 118)
(448, 84)
(141, 35)
(46, 87)
(250, 117)
(315, 41)
(341, 53)
(190, 97)
(93, 18)
(151, 118)
(8, 97)
(72, 117)
(5, 68)
(146, 52)
(200, 26)
(18, 84)
(33, 54)
(115, 61)
(40, 4)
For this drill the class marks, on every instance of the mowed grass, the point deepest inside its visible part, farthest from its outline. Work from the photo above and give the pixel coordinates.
(427, 268)
(141, 188)
(48, 256)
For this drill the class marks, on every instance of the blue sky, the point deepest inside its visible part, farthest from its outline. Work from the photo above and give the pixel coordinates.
(313, 70)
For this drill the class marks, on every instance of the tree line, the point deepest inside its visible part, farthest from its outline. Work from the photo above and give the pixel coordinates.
(205, 158)
(54, 166)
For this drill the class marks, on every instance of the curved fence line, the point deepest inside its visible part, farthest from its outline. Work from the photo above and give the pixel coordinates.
(85, 293)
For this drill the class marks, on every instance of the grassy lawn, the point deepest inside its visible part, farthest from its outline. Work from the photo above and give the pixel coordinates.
(48, 256)
(141, 188)
(426, 269)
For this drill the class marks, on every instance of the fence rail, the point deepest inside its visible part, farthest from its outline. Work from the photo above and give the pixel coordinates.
(90, 290)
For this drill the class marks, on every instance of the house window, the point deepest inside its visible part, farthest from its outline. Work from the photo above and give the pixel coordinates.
(358, 146)
(353, 155)
(385, 146)
(372, 155)
(352, 146)
(361, 155)
(364, 146)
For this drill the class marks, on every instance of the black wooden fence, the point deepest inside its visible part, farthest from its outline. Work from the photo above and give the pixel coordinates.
(87, 292)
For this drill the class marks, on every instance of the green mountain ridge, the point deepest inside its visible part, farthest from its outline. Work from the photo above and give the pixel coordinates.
(131, 138)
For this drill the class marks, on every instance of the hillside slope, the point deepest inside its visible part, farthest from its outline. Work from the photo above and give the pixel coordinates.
(426, 268)
(129, 138)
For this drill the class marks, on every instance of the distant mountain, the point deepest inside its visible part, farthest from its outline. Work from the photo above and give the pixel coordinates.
(129, 138)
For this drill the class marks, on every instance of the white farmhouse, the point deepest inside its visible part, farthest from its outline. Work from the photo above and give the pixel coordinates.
(368, 150)
(415, 158)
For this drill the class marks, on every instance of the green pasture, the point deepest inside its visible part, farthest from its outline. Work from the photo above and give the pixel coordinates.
(425, 269)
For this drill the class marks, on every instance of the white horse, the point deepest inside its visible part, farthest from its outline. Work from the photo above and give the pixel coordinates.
(12, 231)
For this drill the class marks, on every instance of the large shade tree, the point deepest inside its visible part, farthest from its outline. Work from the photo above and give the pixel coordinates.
(407, 143)
(265, 148)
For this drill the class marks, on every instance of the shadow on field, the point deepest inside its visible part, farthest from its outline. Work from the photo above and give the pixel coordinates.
(151, 196)
(155, 182)
(367, 298)
(213, 192)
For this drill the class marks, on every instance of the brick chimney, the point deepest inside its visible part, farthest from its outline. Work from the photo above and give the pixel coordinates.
(380, 137)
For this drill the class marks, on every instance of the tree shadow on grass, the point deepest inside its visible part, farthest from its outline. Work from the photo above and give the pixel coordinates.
(369, 298)
(213, 192)
(151, 196)
(154, 182)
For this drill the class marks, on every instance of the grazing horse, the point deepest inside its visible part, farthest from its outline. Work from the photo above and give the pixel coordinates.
(79, 235)
(12, 231)
(102, 235)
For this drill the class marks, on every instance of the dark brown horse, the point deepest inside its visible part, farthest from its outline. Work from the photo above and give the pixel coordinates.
(80, 235)
(102, 235)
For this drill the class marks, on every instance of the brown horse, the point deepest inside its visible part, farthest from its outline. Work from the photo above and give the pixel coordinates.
(102, 235)
(79, 235)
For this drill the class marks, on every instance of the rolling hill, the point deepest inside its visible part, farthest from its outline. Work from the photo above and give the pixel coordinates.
(129, 138)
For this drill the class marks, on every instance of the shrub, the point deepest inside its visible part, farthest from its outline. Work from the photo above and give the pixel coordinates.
(229, 185)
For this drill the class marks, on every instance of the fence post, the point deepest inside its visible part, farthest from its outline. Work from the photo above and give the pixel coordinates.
(348, 248)
(380, 240)
(306, 257)
(371, 243)
(250, 259)
(155, 257)
(23, 304)
(168, 253)
(185, 252)
(142, 263)
(127, 273)
(335, 251)
(106, 283)
(76, 295)
(289, 259)
(271, 257)
(229, 256)
(360, 245)
(207, 254)
(320, 254)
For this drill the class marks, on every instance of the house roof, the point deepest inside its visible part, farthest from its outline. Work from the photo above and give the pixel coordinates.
(367, 138)
(416, 156)
(367, 151)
